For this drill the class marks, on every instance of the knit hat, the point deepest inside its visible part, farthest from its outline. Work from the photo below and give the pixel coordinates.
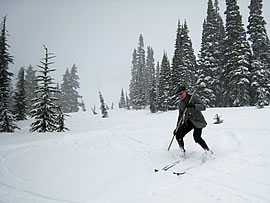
(180, 89)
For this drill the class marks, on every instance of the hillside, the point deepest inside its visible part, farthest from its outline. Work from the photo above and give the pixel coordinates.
(113, 160)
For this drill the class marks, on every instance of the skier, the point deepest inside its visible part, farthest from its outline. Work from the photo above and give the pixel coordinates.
(193, 119)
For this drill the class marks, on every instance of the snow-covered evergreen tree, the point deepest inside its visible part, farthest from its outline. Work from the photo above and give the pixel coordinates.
(122, 102)
(236, 59)
(175, 69)
(7, 120)
(183, 64)
(164, 85)
(30, 88)
(149, 72)
(153, 97)
(127, 102)
(19, 98)
(209, 63)
(74, 80)
(133, 86)
(260, 66)
(69, 91)
(141, 76)
(103, 108)
(140, 101)
(45, 106)
(60, 120)
(66, 91)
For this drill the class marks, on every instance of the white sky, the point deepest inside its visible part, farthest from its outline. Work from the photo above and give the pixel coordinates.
(99, 36)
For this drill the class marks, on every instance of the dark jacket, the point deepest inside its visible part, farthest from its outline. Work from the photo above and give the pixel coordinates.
(193, 114)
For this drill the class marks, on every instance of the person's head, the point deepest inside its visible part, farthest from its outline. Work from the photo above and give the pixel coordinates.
(181, 92)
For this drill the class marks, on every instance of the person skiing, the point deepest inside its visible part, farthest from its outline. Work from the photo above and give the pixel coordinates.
(193, 119)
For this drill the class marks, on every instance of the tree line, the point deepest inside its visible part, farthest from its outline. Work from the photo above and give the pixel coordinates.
(232, 69)
(36, 94)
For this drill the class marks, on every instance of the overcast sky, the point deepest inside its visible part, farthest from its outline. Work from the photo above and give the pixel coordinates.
(99, 36)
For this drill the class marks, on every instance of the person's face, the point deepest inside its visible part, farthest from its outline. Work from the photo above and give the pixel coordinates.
(182, 95)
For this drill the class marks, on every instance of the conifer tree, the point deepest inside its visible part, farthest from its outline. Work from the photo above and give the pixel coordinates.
(164, 85)
(183, 64)
(260, 66)
(103, 108)
(122, 102)
(66, 91)
(153, 96)
(236, 75)
(141, 91)
(149, 72)
(127, 102)
(69, 91)
(188, 67)
(7, 120)
(45, 107)
(209, 65)
(133, 86)
(74, 80)
(30, 88)
(176, 64)
(19, 107)
(60, 120)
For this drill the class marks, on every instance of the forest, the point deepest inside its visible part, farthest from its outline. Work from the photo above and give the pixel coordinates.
(232, 68)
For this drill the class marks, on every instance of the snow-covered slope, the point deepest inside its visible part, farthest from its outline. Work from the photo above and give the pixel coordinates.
(113, 160)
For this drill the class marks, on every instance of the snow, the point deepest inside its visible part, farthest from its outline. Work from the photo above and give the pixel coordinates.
(113, 160)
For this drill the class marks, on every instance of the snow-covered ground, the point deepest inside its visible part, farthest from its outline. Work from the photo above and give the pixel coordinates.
(113, 160)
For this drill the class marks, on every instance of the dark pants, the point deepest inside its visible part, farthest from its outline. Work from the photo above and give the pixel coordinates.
(184, 129)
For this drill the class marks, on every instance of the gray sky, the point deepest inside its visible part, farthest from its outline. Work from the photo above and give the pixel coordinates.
(99, 36)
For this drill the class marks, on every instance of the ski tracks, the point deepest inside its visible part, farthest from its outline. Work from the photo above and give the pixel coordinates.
(17, 191)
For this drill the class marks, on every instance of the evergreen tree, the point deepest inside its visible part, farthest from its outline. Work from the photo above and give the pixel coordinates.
(164, 85)
(45, 108)
(157, 78)
(7, 120)
(30, 88)
(66, 91)
(260, 66)
(149, 72)
(69, 91)
(139, 76)
(74, 80)
(141, 91)
(153, 96)
(176, 63)
(127, 102)
(103, 108)
(122, 102)
(60, 120)
(236, 61)
(183, 64)
(188, 66)
(19, 107)
(133, 86)
(209, 65)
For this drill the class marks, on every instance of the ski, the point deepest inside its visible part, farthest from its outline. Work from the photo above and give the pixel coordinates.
(179, 173)
(167, 167)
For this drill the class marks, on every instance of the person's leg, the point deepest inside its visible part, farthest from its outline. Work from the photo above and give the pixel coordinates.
(184, 129)
(197, 135)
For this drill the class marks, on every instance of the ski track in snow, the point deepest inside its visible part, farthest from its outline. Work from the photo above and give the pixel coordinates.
(130, 146)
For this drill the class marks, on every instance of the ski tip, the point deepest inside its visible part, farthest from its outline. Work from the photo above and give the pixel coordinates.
(156, 170)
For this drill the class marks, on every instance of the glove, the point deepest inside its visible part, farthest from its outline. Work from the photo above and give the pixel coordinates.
(190, 105)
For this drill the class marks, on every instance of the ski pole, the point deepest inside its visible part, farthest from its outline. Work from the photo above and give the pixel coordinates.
(180, 121)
